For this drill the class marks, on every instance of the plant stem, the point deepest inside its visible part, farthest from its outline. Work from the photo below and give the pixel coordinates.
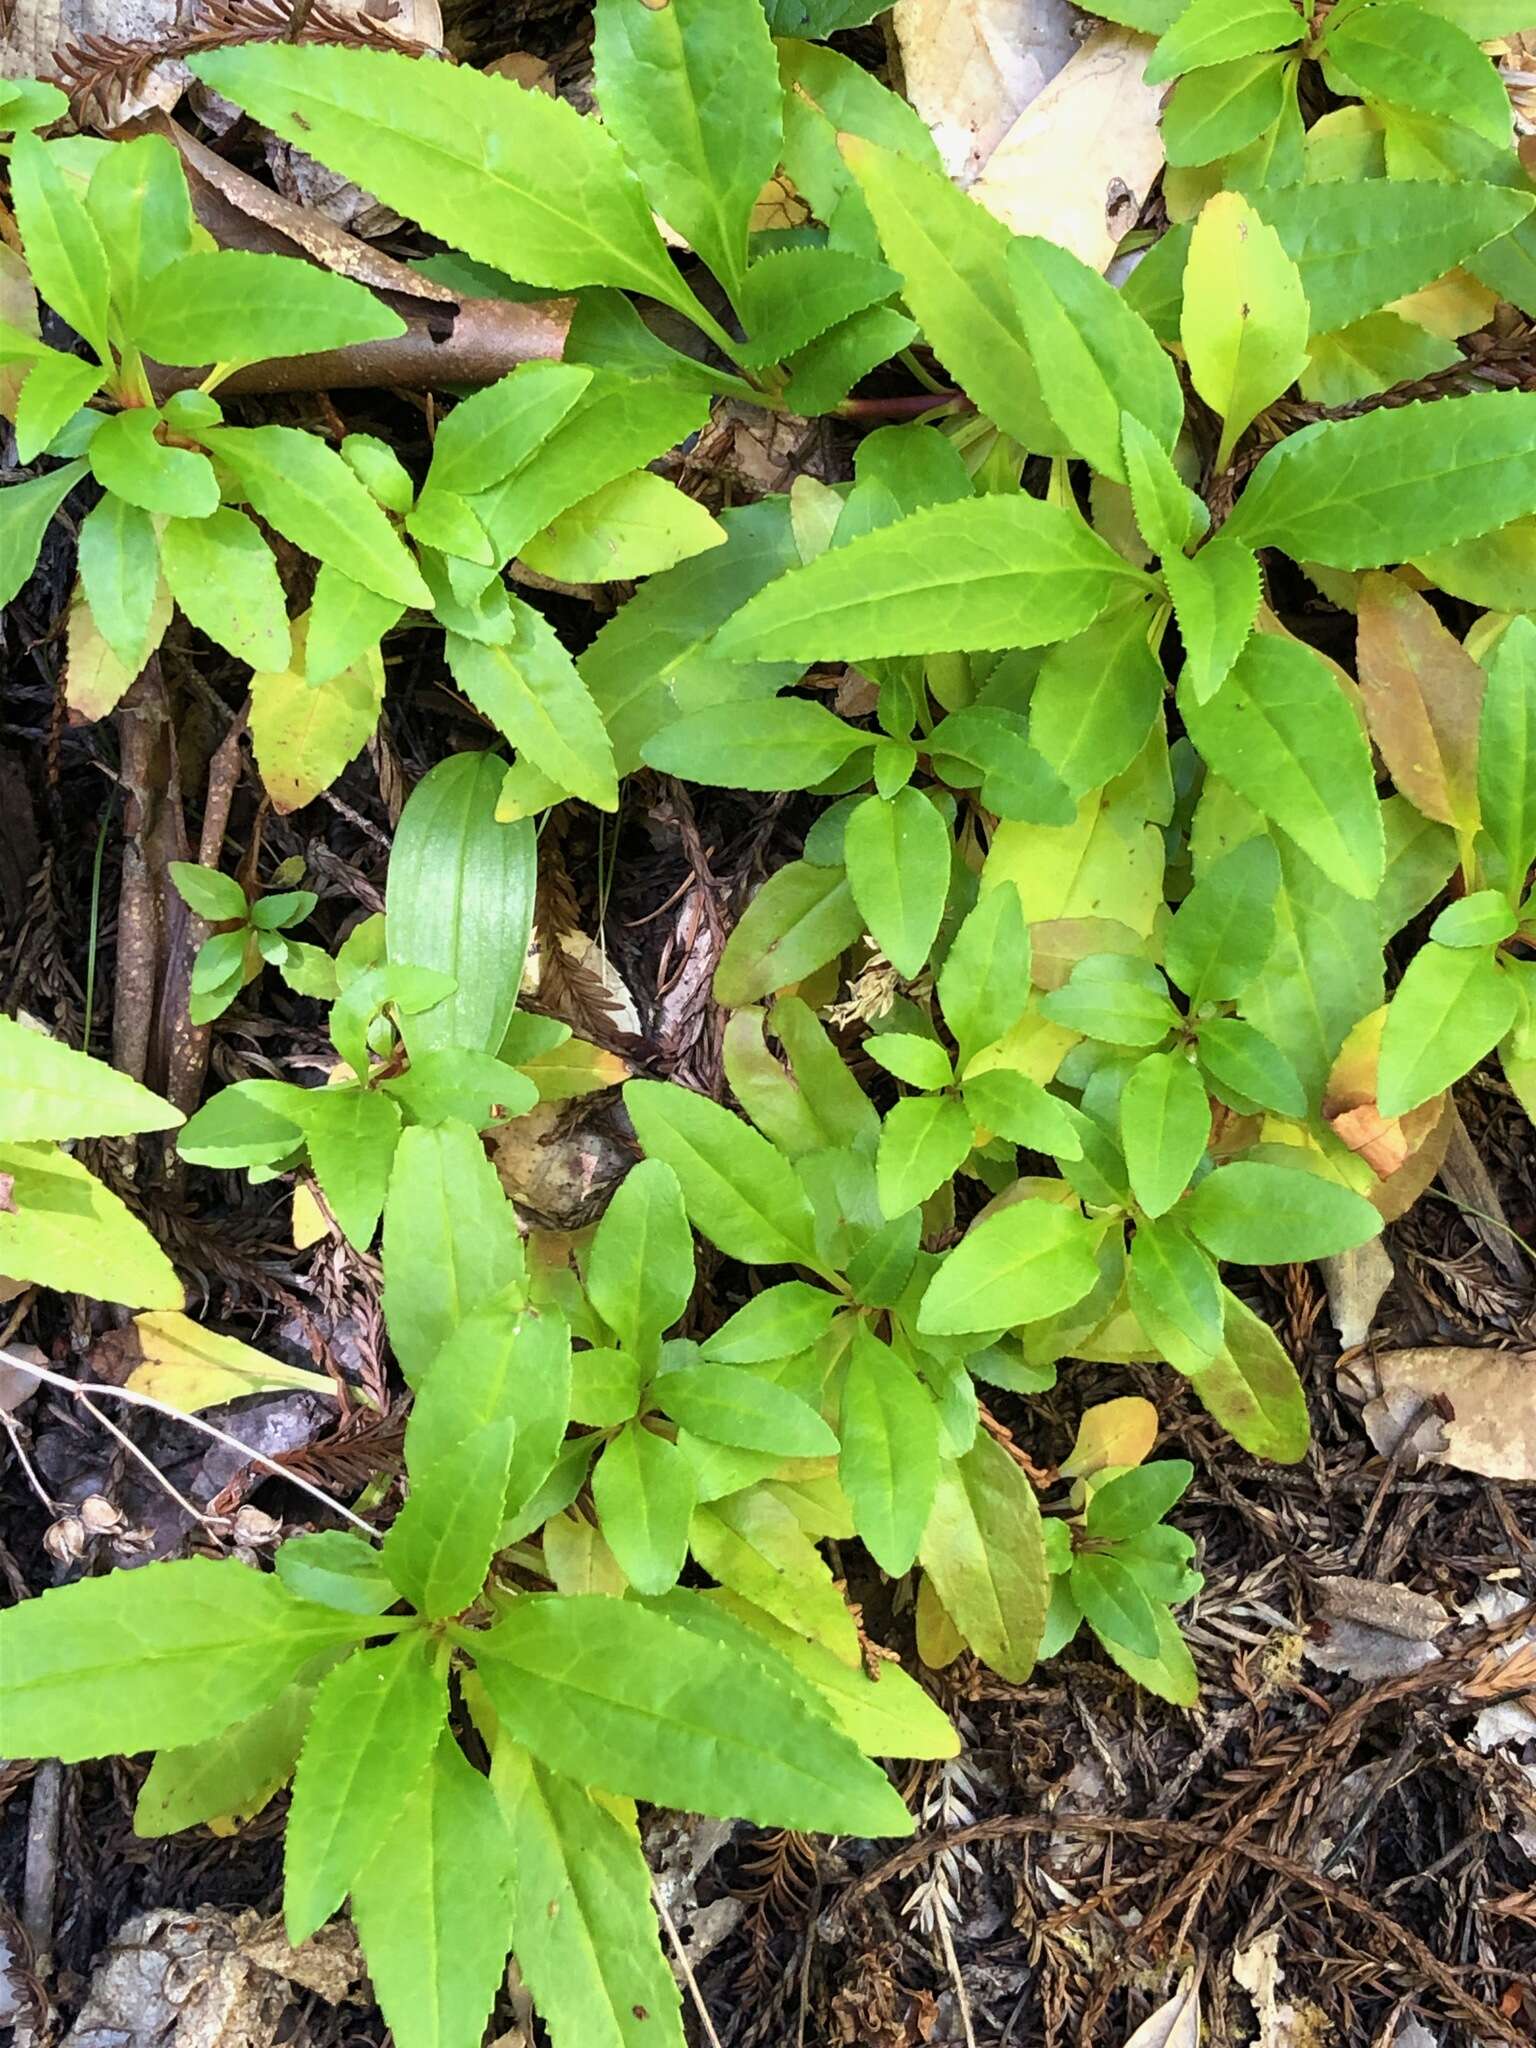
(909, 405)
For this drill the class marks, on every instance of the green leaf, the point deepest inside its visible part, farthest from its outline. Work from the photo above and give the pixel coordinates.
(775, 1324)
(690, 91)
(1282, 733)
(1098, 695)
(986, 573)
(789, 298)
(1394, 483)
(26, 512)
(600, 1690)
(1360, 245)
(223, 575)
(753, 1542)
(886, 1715)
(828, 96)
(466, 154)
(1224, 930)
(1165, 1126)
(450, 1241)
(1175, 1294)
(352, 1134)
(1012, 1106)
(154, 1658)
(1244, 324)
(213, 896)
(377, 1721)
(30, 103)
(1168, 513)
(639, 1270)
(1251, 1387)
(898, 855)
(1265, 1215)
(802, 917)
(1216, 601)
(583, 1925)
(531, 691)
(1214, 31)
(127, 460)
(344, 625)
(1451, 1007)
(1398, 53)
(451, 1082)
(139, 202)
(782, 743)
(119, 566)
(954, 258)
(923, 1141)
(637, 525)
(984, 1551)
(1506, 756)
(232, 305)
(503, 1371)
(460, 899)
(492, 433)
(920, 1062)
(644, 1491)
(431, 1905)
(889, 1463)
(64, 251)
(1113, 1604)
(1095, 357)
(1116, 997)
(56, 388)
(730, 1405)
(48, 1090)
(62, 1229)
(304, 489)
(1016, 779)
(1221, 109)
(620, 423)
(740, 1193)
(243, 1126)
(984, 981)
(233, 1773)
(337, 1569)
(1372, 355)
(1137, 1499)
(1030, 1259)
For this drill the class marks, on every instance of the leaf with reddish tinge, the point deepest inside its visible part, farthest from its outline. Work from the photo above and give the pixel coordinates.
(1423, 697)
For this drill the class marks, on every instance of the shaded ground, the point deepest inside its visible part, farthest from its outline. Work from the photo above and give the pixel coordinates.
(1090, 1842)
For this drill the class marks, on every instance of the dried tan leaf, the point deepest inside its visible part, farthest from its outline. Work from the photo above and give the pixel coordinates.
(1423, 698)
(1176, 2023)
(1485, 1402)
(1099, 118)
(971, 67)
(1356, 1281)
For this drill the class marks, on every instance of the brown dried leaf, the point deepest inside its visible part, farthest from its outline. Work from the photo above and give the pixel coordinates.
(1485, 1401)
(1423, 697)
(1176, 2023)
(1356, 1281)
(971, 67)
(1100, 117)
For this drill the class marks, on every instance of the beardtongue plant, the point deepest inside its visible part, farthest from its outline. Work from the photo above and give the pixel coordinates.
(1098, 890)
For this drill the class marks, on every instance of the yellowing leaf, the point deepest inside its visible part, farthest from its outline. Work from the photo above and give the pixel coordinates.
(306, 734)
(1244, 324)
(1112, 1433)
(1423, 696)
(190, 1368)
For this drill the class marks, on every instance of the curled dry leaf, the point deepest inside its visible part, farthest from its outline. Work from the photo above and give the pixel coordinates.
(1372, 1631)
(971, 67)
(1100, 116)
(1483, 1403)
(1176, 2023)
(1356, 1281)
